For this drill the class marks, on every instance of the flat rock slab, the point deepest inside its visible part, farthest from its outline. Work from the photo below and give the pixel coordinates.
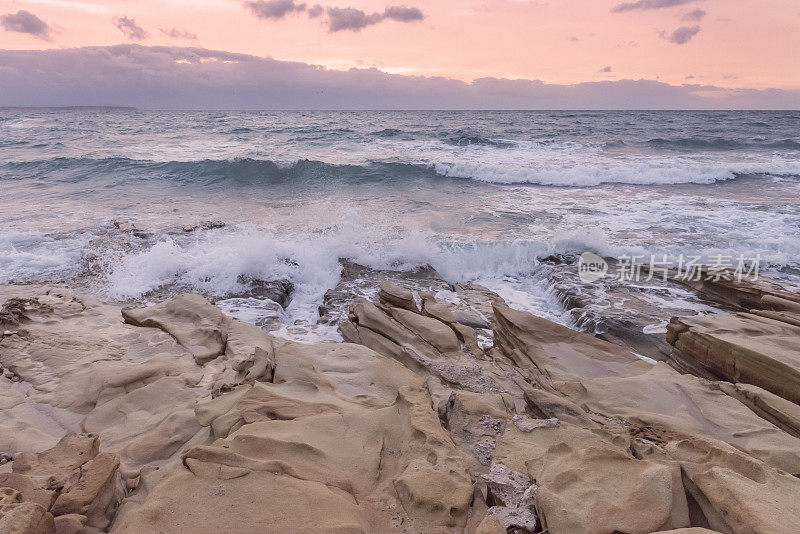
(742, 347)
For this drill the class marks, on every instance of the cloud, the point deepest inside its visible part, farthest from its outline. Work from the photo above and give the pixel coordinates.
(648, 4)
(128, 26)
(403, 14)
(176, 33)
(682, 35)
(25, 22)
(166, 77)
(697, 14)
(605, 69)
(315, 11)
(274, 9)
(349, 18)
(690, 77)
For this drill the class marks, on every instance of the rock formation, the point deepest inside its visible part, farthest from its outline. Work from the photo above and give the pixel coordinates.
(436, 414)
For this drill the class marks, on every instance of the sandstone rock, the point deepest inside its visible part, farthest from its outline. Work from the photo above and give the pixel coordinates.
(737, 493)
(146, 425)
(437, 333)
(742, 348)
(745, 294)
(490, 525)
(395, 296)
(438, 311)
(602, 379)
(777, 410)
(192, 320)
(588, 481)
(60, 462)
(25, 518)
(28, 488)
(94, 494)
(398, 463)
(475, 420)
(479, 299)
(70, 524)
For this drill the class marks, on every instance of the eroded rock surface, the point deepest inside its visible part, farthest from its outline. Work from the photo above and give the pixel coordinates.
(195, 422)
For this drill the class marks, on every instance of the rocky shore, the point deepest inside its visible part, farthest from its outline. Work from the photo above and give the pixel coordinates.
(445, 410)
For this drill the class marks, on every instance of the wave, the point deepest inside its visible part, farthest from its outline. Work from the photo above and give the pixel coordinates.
(468, 140)
(719, 144)
(255, 172)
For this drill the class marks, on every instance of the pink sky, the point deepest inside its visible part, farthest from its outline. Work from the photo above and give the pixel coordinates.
(741, 43)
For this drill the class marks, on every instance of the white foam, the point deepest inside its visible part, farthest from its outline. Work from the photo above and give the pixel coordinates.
(28, 255)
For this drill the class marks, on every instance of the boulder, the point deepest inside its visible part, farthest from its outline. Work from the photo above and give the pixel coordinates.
(390, 294)
(24, 518)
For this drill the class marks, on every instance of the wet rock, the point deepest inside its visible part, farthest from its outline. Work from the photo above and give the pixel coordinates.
(203, 225)
(131, 228)
(633, 314)
(358, 281)
(279, 291)
(744, 294)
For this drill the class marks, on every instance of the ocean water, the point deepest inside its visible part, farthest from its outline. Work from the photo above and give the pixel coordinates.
(480, 196)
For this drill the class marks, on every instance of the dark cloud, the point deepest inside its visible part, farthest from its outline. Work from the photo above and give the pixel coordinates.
(315, 11)
(128, 26)
(648, 4)
(177, 33)
(403, 13)
(697, 14)
(605, 69)
(25, 22)
(690, 77)
(274, 9)
(349, 18)
(164, 77)
(682, 35)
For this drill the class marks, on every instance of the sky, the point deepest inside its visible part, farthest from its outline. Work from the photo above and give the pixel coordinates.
(439, 53)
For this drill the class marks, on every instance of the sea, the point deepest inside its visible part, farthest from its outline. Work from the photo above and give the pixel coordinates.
(482, 196)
